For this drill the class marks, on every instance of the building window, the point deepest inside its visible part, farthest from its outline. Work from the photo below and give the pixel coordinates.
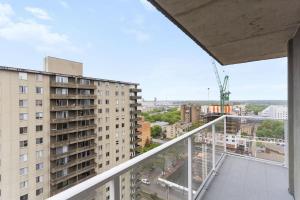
(39, 191)
(99, 101)
(107, 128)
(39, 115)
(23, 184)
(107, 136)
(117, 109)
(23, 130)
(39, 77)
(23, 116)
(117, 125)
(100, 138)
(107, 110)
(22, 76)
(39, 154)
(117, 159)
(107, 93)
(100, 110)
(24, 143)
(106, 101)
(100, 165)
(122, 93)
(23, 103)
(61, 91)
(123, 124)
(23, 89)
(39, 103)
(23, 157)
(39, 140)
(39, 90)
(61, 79)
(39, 128)
(39, 166)
(107, 162)
(24, 171)
(107, 154)
(39, 179)
(24, 197)
(116, 93)
(99, 129)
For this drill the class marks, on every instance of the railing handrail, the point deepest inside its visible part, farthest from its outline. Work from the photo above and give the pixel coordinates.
(123, 167)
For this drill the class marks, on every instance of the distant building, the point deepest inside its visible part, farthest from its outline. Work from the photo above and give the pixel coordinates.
(275, 112)
(163, 125)
(145, 130)
(177, 129)
(217, 109)
(190, 113)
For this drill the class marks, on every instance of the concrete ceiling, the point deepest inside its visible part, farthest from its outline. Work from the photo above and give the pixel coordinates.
(236, 31)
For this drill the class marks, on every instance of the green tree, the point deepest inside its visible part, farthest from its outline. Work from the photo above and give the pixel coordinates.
(271, 129)
(156, 131)
(256, 108)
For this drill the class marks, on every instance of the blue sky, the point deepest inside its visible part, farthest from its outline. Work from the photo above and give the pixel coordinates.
(127, 40)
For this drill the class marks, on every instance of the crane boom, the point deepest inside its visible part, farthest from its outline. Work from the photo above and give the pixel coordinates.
(224, 95)
(217, 75)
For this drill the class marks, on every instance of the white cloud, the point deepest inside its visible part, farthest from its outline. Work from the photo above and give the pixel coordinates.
(147, 5)
(38, 35)
(64, 4)
(38, 13)
(139, 35)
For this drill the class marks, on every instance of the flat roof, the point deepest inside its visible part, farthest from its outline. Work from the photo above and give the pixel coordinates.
(236, 31)
(15, 69)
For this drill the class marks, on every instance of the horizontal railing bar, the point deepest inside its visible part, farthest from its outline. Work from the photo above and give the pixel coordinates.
(123, 167)
(253, 117)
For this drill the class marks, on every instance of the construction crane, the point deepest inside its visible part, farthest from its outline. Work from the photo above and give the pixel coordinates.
(224, 95)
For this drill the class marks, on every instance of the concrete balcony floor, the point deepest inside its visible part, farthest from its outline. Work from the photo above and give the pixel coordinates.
(245, 179)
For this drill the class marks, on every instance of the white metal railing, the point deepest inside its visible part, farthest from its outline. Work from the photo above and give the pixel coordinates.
(112, 176)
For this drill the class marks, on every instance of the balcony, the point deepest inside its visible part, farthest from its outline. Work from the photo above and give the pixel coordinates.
(135, 90)
(135, 97)
(135, 112)
(206, 163)
(133, 105)
(72, 107)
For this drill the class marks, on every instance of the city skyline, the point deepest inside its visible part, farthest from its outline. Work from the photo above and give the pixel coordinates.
(167, 70)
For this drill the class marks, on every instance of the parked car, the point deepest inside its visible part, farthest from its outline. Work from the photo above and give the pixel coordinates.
(145, 181)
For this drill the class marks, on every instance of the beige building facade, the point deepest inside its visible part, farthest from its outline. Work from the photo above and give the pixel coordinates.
(58, 128)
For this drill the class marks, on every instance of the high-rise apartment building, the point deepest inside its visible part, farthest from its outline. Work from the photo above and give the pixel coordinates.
(190, 113)
(58, 128)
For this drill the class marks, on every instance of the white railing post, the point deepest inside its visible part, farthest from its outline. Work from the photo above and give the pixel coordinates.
(116, 188)
(190, 175)
(225, 135)
(286, 144)
(213, 147)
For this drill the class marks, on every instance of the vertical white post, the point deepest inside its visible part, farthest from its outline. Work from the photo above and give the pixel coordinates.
(116, 188)
(286, 146)
(225, 134)
(213, 147)
(190, 175)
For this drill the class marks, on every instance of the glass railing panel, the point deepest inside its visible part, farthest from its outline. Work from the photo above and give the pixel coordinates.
(163, 176)
(259, 138)
(219, 140)
(201, 158)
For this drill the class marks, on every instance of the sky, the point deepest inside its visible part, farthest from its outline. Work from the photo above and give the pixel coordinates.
(128, 40)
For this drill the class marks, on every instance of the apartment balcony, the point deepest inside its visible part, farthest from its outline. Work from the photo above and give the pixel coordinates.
(206, 163)
(62, 85)
(135, 112)
(137, 140)
(135, 97)
(72, 152)
(63, 96)
(55, 180)
(135, 126)
(72, 107)
(56, 168)
(135, 90)
(86, 86)
(136, 119)
(86, 96)
(134, 105)
(54, 144)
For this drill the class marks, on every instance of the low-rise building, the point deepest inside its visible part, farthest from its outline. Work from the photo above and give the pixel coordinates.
(177, 129)
(145, 132)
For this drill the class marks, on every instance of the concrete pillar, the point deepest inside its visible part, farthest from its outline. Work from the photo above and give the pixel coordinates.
(294, 114)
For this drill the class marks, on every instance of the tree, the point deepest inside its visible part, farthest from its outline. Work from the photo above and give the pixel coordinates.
(256, 108)
(271, 129)
(156, 131)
